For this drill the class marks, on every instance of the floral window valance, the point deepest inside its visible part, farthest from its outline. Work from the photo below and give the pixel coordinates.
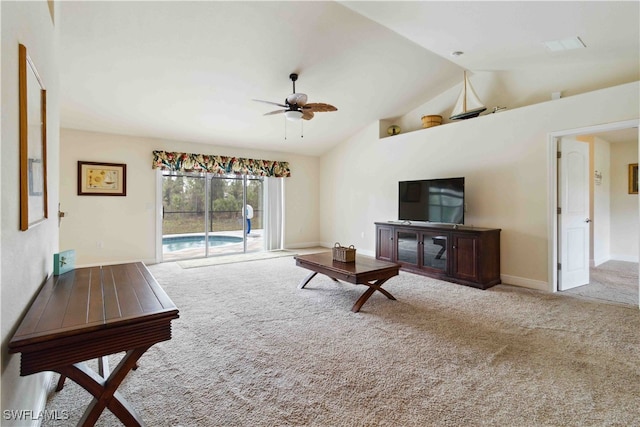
(221, 165)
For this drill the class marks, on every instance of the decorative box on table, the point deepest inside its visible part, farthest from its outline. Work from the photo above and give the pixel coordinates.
(63, 262)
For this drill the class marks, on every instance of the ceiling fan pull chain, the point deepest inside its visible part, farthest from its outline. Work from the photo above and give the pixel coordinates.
(301, 129)
(285, 129)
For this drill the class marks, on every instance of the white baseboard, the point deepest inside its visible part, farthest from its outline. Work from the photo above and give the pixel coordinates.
(303, 245)
(597, 262)
(358, 251)
(145, 261)
(41, 398)
(367, 253)
(525, 283)
(629, 258)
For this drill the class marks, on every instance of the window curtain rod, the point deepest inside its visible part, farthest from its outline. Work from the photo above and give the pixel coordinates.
(189, 162)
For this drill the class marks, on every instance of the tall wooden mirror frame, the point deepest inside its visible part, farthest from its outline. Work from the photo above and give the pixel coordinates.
(33, 143)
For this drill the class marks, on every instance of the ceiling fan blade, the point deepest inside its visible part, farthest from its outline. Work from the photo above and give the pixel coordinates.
(307, 114)
(272, 103)
(298, 99)
(320, 107)
(274, 112)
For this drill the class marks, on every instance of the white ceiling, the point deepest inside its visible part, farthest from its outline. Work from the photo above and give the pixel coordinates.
(619, 136)
(188, 71)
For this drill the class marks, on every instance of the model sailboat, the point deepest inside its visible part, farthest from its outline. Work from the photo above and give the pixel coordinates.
(468, 105)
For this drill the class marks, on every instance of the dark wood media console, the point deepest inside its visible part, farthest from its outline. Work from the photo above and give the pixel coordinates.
(460, 254)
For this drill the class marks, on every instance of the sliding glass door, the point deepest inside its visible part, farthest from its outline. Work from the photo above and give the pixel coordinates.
(183, 216)
(211, 215)
(225, 217)
(228, 195)
(255, 230)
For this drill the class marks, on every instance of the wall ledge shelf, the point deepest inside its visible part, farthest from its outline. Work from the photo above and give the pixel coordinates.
(385, 123)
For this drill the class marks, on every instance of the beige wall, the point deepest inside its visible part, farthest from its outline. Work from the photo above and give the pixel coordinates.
(624, 206)
(601, 198)
(504, 158)
(106, 230)
(26, 256)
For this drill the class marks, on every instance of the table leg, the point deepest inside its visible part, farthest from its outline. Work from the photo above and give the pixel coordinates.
(374, 286)
(103, 370)
(307, 279)
(61, 382)
(104, 390)
(103, 366)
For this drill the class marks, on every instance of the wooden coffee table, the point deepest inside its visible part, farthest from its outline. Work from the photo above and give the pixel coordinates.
(365, 270)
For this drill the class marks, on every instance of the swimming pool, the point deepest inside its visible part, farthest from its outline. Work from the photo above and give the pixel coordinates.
(177, 243)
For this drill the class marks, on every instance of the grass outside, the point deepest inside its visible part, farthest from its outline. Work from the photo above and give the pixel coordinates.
(181, 223)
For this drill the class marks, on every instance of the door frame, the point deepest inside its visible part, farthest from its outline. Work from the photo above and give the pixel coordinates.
(553, 138)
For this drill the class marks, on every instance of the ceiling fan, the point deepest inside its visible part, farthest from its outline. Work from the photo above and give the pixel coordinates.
(296, 107)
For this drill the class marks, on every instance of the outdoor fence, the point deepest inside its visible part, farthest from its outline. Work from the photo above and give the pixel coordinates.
(180, 222)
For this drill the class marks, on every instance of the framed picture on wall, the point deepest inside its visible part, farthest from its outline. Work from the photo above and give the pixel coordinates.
(102, 179)
(33, 143)
(633, 178)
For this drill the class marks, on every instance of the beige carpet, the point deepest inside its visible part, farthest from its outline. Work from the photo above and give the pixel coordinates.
(612, 281)
(229, 259)
(250, 349)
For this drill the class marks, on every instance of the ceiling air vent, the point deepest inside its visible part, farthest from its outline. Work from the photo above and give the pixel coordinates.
(565, 44)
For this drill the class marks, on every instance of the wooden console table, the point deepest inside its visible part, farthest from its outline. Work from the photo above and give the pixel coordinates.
(90, 313)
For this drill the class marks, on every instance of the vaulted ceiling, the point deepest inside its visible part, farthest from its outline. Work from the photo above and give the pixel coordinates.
(188, 71)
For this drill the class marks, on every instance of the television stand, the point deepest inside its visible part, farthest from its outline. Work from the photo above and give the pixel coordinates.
(455, 253)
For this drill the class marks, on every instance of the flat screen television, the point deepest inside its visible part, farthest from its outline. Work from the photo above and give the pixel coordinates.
(432, 200)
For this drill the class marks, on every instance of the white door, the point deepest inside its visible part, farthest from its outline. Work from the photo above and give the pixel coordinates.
(573, 218)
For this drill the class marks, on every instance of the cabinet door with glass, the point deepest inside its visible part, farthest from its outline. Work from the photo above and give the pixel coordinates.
(434, 251)
(407, 243)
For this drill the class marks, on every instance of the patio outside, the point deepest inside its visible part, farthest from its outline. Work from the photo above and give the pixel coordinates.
(225, 224)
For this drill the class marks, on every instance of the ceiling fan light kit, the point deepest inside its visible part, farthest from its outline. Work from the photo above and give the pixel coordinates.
(295, 106)
(293, 115)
